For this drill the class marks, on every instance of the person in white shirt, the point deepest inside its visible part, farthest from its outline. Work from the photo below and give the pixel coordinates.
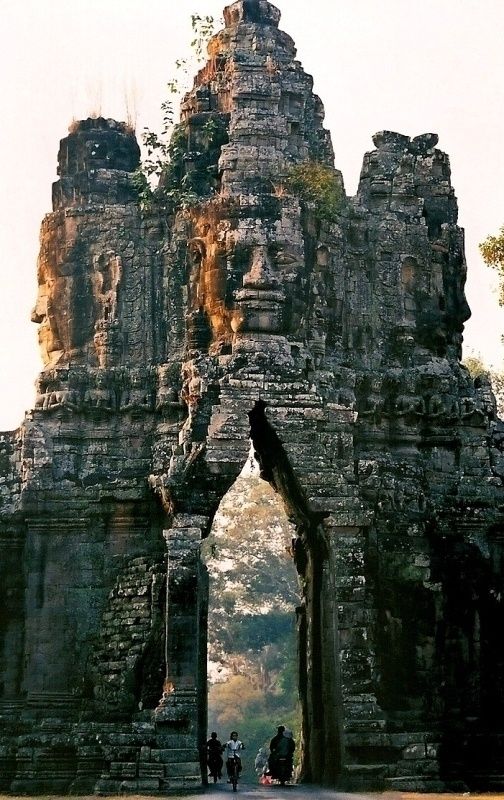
(232, 749)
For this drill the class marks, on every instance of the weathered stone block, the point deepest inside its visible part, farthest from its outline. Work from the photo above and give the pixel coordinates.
(150, 770)
(414, 751)
(182, 769)
(173, 755)
(123, 769)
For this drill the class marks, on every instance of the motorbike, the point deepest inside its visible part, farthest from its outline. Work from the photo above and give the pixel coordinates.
(281, 770)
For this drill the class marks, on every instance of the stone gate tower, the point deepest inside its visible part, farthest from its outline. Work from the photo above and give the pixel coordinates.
(252, 299)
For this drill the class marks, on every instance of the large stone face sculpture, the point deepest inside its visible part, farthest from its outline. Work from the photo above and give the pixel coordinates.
(169, 339)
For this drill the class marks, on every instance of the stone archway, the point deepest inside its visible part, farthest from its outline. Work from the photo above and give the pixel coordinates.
(321, 545)
(320, 694)
(254, 606)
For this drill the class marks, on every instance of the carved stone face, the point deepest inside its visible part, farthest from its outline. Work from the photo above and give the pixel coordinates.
(246, 276)
(49, 340)
(101, 380)
(64, 308)
(274, 294)
(446, 310)
(457, 307)
(261, 299)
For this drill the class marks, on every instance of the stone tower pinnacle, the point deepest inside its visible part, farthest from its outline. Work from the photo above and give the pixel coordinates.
(257, 12)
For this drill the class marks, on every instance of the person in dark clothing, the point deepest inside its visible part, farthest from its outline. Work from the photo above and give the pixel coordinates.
(286, 745)
(282, 753)
(214, 756)
(276, 738)
(273, 748)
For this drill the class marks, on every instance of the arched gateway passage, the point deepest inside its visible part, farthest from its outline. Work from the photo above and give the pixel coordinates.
(253, 613)
(319, 699)
(318, 642)
(254, 300)
(317, 626)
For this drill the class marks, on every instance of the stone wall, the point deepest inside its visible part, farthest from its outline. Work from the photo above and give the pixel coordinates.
(172, 336)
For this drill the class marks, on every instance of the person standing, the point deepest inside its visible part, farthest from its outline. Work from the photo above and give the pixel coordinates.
(261, 760)
(214, 756)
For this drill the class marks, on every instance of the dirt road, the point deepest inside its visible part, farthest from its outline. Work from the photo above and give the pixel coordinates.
(256, 792)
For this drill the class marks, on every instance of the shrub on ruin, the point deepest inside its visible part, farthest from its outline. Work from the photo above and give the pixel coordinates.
(318, 185)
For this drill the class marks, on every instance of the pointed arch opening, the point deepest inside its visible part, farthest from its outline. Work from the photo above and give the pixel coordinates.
(254, 604)
(268, 564)
(318, 643)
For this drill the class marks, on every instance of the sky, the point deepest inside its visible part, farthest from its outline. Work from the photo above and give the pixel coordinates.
(435, 66)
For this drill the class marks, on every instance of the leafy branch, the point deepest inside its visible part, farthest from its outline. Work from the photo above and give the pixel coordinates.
(161, 180)
(492, 250)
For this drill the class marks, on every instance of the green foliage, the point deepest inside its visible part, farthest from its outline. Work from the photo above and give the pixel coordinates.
(171, 176)
(497, 381)
(235, 701)
(317, 184)
(252, 636)
(288, 678)
(492, 250)
(140, 183)
(478, 370)
(203, 28)
(242, 633)
(475, 366)
(193, 171)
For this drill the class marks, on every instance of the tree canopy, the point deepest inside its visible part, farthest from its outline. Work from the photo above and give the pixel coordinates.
(251, 621)
(492, 250)
(477, 368)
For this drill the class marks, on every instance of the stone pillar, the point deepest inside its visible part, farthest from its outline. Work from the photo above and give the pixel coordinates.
(11, 618)
(185, 631)
(355, 714)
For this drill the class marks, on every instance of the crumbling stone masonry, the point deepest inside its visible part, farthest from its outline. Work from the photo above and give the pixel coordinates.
(169, 338)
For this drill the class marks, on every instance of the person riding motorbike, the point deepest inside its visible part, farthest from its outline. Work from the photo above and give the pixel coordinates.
(282, 748)
(273, 746)
(276, 738)
(233, 747)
